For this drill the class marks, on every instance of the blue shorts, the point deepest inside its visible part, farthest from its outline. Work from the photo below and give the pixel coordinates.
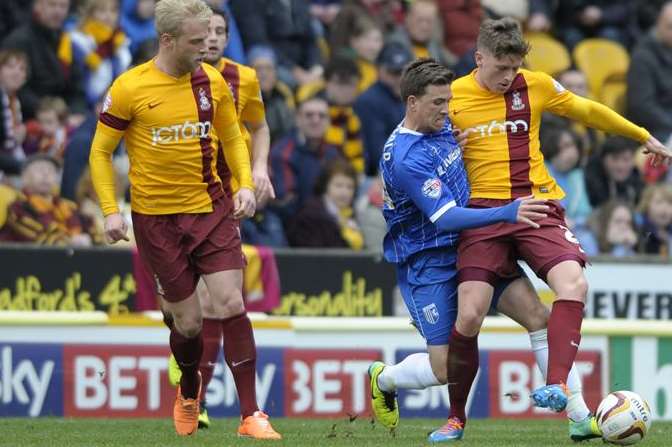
(428, 284)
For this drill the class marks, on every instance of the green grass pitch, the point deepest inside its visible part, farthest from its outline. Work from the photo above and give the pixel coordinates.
(297, 432)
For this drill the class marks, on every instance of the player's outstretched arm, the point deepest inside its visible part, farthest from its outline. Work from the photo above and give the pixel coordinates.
(660, 153)
(596, 115)
(526, 210)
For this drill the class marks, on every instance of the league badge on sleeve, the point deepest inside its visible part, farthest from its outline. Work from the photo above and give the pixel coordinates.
(432, 188)
(107, 103)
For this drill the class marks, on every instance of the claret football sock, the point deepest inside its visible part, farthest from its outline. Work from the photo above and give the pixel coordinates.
(212, 342)
(187, 352)
(564, 337)
(240, 354)
(462, 369)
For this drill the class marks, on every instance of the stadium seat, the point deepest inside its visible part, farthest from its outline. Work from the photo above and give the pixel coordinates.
(601, 60)
(546, 54)
(613, 94)
(7, 196)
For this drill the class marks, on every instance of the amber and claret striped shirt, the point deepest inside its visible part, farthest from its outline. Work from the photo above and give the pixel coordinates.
(503, 155)
(172, 127)
(244, 85)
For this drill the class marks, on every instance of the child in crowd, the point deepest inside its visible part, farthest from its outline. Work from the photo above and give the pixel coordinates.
(327, 219)
(100, 48)
(561, 149)
(48, 133)
(613, 231)
(13, 75)
(655, 210)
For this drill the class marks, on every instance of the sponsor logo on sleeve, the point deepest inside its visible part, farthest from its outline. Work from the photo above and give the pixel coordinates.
(432, 188)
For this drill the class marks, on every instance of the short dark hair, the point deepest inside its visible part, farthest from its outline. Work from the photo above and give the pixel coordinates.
(502, 37)
(8, 54)
(423, 72)
(550, 140)
(331, 169)
(617, 146)
(225, 16)
(343, 68)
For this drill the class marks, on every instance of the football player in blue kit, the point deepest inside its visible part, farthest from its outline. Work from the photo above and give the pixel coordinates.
(425, 196)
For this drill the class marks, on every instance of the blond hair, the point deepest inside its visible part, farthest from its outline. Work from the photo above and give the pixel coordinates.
(647, 196)
(170, 14)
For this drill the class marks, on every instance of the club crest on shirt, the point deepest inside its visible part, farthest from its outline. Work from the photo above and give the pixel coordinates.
(431, 313)
(517, 103)
(432, 188)
(203, 100)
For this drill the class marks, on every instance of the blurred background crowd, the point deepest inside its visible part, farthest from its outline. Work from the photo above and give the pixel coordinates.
(329, 72)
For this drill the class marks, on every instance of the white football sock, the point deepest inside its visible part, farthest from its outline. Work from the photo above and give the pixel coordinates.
(414, 373)
(577, 410)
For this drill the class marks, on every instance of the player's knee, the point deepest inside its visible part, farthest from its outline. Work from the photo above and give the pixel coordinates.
(536, 318)
(441, 374)
(469, 321)
(188, 325)
(575, 288)
(229, 304)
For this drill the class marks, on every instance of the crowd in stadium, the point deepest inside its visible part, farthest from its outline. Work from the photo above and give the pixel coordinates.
(329, 74)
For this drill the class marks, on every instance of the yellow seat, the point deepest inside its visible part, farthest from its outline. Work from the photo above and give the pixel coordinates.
(7, 196)
(546, 54)
(600, 60)
(613, 95)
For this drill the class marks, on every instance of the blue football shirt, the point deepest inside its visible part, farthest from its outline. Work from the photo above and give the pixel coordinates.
(423, 177)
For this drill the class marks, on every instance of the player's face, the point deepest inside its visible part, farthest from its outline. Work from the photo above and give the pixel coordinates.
(13, 75)
(341, 190)
(217, 39)
(497, 73)
(431, 109)
(189, 48)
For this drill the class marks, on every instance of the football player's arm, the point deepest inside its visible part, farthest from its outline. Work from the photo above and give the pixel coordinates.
(105, 141)
(112, 124)
(225, 123)
(254, 117)
(598, 116)
(235, 152)
(433, 197)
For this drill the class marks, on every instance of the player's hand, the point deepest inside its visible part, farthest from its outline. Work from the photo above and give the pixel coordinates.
(244, 204)
(461, 138)
(531, 210)
(115, 228)
(660, 153)
(263, 188)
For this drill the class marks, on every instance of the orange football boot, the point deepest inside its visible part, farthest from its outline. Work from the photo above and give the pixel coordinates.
(257, 426)
(185, 412)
